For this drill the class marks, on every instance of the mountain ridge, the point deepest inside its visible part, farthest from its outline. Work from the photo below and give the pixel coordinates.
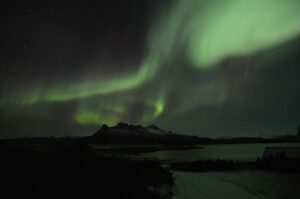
(124, 133)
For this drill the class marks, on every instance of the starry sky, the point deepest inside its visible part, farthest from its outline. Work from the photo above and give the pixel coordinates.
(202, 67)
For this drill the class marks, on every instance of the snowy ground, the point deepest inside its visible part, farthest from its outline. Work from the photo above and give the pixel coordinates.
(241, 185)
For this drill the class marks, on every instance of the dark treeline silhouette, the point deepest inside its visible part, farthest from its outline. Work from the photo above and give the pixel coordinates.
(79, 173)
(279, 163)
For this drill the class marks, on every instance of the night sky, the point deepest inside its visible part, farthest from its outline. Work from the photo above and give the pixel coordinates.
(204, 67)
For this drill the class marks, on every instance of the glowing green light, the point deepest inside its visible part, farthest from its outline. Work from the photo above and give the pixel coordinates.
(86, 118)
(199, 32)
(94, 118)
(230, 28)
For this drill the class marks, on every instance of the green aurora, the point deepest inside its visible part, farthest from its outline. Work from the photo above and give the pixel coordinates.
(190, 35)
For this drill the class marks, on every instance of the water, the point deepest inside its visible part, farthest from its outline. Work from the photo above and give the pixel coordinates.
(242, 152)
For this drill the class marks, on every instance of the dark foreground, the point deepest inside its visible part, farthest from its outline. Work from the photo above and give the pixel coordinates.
(71, 169)
(77, 172)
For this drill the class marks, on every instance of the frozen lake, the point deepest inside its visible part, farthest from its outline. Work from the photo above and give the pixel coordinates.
(229, 185)
(243, 152)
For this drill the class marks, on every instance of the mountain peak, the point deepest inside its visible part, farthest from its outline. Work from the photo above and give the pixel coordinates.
(121, 125)
(130, 130)
(152, 126)
(124, 133)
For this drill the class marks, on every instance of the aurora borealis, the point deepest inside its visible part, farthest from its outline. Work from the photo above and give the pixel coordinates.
(203, 67)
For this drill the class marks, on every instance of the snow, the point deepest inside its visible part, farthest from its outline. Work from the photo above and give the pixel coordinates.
(245, 185)
(156, 131)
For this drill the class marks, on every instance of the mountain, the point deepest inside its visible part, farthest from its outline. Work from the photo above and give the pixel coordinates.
(124, 133)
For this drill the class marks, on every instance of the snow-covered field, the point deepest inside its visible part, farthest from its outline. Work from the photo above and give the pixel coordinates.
(241, 185)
